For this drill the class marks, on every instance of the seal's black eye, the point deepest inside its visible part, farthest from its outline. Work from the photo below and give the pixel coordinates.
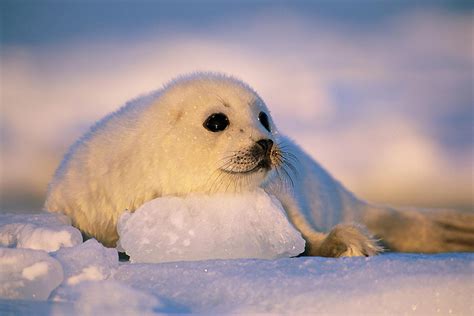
(263, 118)
(216, 122)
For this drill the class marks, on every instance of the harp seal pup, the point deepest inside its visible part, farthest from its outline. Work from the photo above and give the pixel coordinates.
(210, 133)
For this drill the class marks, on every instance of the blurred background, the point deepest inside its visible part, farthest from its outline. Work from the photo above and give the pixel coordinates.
(379, 92)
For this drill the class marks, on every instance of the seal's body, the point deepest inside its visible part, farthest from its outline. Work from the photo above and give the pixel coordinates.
(210, 133)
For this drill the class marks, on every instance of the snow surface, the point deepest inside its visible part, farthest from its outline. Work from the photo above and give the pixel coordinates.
(200, 227)
(99, 265)
(44, 231)
(88, 279)
(28, 274)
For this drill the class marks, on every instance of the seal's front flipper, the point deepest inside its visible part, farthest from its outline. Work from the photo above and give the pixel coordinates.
(345, 240)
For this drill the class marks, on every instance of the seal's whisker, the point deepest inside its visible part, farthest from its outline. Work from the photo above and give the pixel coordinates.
(243, 182)
(224, 179)
(281, 181)
(283, 146)
(225, 165)
(289, 156)
(232, 153)
(247, 181)
(281, 169)
(227, 186)
(216, 183)
(288, 176)
(225, 160)
(216, 178)
(291, 166)
(285, 149)
(211, 180)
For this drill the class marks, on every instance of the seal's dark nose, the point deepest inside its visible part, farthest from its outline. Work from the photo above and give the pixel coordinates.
(266, 145)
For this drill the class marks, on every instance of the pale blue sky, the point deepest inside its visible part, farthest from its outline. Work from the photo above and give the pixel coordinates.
(33, 22)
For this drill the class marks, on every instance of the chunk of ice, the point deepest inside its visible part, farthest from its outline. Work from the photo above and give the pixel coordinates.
(199, 227)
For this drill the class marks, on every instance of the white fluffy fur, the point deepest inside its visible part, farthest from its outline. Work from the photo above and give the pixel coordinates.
(157, 145)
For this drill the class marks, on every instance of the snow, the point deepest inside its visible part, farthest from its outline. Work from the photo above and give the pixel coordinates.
(88, 261)
(387, 284)
(200, 227)
(35, 271)
(111, 298)
(37, 218)
(87, 279)
(44, 231)
(28, 274)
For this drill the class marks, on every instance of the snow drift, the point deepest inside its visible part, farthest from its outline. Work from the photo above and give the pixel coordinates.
(88, 279)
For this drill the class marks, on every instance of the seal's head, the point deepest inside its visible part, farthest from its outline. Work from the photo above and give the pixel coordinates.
(219, 136)
(203, 133)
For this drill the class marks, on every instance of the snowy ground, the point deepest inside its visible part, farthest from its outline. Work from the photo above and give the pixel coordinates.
(71, 277)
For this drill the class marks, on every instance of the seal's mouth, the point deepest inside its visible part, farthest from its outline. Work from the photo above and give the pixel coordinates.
(249, 167)
(264, 164)
(255, 159)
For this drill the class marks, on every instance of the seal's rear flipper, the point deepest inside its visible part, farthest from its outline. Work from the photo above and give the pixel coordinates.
(422, 230)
